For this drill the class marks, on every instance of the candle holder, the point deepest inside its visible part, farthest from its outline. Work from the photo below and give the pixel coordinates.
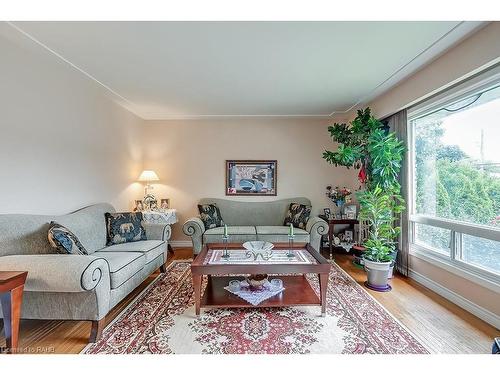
(225, 253)
(290, 253)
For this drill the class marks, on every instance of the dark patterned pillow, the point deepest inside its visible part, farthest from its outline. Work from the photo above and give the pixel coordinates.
(297, 215)
(210, 215)
(64, 240)
(124, 227)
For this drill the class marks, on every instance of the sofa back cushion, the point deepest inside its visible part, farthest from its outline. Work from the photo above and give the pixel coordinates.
(27, 234)
(254, 213)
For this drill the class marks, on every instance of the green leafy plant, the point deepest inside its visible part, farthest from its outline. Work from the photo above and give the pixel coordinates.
(366, 144)
(380, 209)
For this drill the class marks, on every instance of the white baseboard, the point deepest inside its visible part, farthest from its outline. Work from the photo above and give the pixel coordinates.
(175, 244)
(482, 313)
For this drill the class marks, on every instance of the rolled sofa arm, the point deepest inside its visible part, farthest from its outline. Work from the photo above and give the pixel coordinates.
(157, 231)
(316, 227)
(59, 272)
(195, 228)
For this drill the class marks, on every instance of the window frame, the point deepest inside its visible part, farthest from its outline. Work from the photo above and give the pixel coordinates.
(452, 262)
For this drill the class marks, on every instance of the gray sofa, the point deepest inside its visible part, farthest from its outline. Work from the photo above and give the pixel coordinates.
(78, 287)
(249, 221)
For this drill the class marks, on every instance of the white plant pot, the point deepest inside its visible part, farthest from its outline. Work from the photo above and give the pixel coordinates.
(377, 275)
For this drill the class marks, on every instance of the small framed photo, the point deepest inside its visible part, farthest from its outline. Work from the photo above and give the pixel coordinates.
(327, 212)
(138, 206)
(350, 211)
(165, 203)
(348, 236)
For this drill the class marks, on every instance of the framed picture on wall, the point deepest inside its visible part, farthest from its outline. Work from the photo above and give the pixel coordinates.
(251, 177)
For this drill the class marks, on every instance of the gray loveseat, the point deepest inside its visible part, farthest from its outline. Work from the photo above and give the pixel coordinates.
(249, 221)
(78, 287)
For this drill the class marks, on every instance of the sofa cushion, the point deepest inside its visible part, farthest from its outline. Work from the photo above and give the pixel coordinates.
(151, 248)
(210, 215)
(297, 215)
(269, 229)
(124, 227)
(122, 265)
(280, 234)
(62, 239)
(236, 234)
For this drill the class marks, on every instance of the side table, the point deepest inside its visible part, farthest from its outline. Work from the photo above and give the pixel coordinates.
(11, 298)
(164, 216)
(331, 227)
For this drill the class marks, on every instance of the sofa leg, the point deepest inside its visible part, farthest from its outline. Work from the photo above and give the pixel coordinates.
(163, 268)
(96, 331)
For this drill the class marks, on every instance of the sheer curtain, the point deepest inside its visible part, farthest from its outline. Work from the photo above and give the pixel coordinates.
(398, 123)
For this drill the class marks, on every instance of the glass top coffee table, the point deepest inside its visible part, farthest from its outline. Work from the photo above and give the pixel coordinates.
(292, 270)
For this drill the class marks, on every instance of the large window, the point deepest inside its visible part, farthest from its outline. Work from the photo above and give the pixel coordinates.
(455, 177)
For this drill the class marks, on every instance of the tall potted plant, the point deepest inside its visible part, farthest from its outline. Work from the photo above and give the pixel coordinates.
(367, 145)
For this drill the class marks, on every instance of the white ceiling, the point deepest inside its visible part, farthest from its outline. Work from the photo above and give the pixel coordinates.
(165, 70)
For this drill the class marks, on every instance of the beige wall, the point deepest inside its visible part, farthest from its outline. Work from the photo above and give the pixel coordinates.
(64, 143)
(189, 157)
(480, 50)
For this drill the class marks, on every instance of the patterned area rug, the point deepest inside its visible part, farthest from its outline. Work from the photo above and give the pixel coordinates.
(162, 320)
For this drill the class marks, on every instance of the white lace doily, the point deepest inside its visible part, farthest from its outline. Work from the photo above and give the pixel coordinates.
(255, 297)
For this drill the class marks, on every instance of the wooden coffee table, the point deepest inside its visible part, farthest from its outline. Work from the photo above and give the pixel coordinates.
(11, 297)
(297, 291)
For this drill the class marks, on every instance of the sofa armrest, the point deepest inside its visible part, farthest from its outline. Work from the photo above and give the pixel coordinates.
(316, 227)
(59, 272)
(157, 231)
(195, 228)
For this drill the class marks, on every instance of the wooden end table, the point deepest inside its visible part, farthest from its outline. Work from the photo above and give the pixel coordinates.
(331, 229)
(11, 297)
(297, 291)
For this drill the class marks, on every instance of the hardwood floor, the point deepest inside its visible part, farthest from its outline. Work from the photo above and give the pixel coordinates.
(442, 326)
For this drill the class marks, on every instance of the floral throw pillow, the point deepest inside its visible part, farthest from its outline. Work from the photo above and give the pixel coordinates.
(62, 239)
(210, 215)
(297, 215)
(124, 227)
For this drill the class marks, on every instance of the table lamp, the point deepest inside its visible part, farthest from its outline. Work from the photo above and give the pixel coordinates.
(148, 177)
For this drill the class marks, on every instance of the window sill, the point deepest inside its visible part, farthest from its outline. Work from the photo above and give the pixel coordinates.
(476, 275)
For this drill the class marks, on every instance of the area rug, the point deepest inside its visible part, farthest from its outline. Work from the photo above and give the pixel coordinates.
(162, 320)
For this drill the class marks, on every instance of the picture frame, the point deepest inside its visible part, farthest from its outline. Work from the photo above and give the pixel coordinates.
(138, 205)
(327, 212)
(350, 211)
(251, 177)
(164, 203)
(348, 236)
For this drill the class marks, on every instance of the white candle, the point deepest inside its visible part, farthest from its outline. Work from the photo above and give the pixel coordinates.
(290, 232)
(225, 230)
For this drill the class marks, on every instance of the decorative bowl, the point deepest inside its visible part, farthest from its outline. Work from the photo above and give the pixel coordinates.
(258, 246)
(257, 281)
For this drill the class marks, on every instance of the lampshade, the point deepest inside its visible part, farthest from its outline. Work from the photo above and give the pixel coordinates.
(148, 176)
